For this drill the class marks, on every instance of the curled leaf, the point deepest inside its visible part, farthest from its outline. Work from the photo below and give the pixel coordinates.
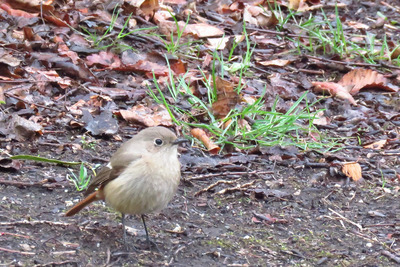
(203, 137)
(352, 170)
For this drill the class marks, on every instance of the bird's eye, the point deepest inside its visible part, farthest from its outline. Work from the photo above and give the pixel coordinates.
(158, 142)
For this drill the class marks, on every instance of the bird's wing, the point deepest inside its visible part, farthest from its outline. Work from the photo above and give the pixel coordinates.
(111, 171)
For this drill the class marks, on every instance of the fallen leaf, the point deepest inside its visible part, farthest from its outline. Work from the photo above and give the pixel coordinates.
(352, 170)
(2, 97)
(144, 7)
(377, 145)
(395, 50)
(104, 59)
(227, 98)
(47, 76)
(105, 123)
(7, 58)
(25, 129)
(295, 4)
(199, 30)
(259, 17)
(275, 62)
(203, 137)
(217, 43)
(358, 79)
(32, 5)
(158, 115)
(334, 89)
(16, 12)
(202, 30)
(75, 109)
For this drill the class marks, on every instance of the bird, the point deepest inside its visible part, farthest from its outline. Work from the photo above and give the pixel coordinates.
(140, 178)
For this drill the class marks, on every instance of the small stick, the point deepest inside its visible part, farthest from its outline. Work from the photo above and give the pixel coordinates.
(26, 184)
(200, 177)
(391, 256)
(17, 235)
(347, 220)
(17, 251)
(212, 186)
(29, 103)
(236, 188)
(380, 225)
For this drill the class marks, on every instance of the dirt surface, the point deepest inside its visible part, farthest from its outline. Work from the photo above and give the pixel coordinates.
(297, 216)
(271, 206)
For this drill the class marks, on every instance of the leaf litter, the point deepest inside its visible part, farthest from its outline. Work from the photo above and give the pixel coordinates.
(68, 74)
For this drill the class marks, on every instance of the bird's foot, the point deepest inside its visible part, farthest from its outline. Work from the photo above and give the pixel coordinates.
(150, 245)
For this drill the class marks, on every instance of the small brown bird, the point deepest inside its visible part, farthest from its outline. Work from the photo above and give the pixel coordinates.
(141, 177)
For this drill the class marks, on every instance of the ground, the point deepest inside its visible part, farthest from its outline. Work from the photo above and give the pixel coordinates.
(266, 206)
(294, 219)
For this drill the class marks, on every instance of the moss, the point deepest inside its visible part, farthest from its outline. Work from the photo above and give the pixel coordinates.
(221, 243)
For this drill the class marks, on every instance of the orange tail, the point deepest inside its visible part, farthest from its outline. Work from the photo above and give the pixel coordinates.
(83, 203)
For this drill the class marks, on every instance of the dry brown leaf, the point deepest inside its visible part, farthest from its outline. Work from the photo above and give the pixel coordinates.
(202, 30)
(295, 4)
(313, 2)
(334, 89)
(203, 137)
(104, 59)
(260, 17)
(365, 78)
(147, 116)
(358, 25)
(217, 43)
(177, 66)
(146, 7)
(32, 5)
(275, 62)
(244, 124)
(321, 119)
(352, 170)
(2, 97)
(395, 47)
(75, 109)
(49, 76)
(377, 145)
(227, 98)
(16, 12)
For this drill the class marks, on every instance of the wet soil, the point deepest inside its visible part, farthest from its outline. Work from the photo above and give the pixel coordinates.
(290, 216)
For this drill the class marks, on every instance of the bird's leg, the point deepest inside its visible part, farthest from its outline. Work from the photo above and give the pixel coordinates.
(149, 242)
(145, 228)
(123, 225)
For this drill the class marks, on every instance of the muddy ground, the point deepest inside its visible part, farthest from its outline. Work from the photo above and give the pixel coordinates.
(292, 215)
(272, 207)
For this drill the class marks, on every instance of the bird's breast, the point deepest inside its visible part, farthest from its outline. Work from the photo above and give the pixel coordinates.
(146, 185)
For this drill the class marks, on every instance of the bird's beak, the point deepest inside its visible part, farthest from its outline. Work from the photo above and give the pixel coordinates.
(180, 141)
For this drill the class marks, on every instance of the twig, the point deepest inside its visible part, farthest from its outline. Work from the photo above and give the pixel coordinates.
(268, 219)
(392, 7)
(17, 251)
(381, 225)
(212, 186)
(27, 184)
(63, 224)
(200, 177)
(29, 103)
(281, 33)
(353, 63)
(239, 187)
(347, 220)
(66, 252)
(35, 223)
(391, 256)
(17, 235)
(54, 263)
(317, 72)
